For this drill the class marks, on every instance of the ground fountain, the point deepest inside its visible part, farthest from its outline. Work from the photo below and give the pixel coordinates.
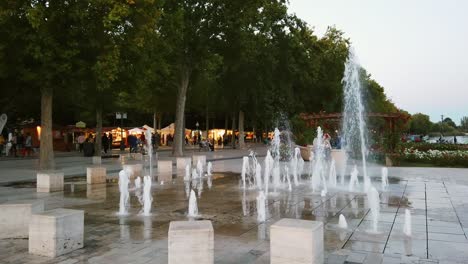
(124, 194)
(261, 211)
(354, 123)
(332, 174)
(200, 170)
(209, 169)
(137, 183)
(187, 172)
(147, 197)
(384, 178)
(374, 204)
(149, 149)
(193, 207)
(407, 226)
(342, 222)
(319, 162)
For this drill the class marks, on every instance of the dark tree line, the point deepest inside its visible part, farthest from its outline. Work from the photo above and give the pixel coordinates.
(243, 61)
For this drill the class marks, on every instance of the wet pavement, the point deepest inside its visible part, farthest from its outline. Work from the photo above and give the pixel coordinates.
(439, 209)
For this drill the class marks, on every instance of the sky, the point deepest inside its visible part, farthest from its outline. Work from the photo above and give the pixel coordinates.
(416, 49)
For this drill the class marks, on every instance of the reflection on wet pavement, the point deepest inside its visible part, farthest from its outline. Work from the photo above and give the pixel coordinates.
(439, 220)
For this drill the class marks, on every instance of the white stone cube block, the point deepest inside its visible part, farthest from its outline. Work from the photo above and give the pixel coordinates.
(97, 160)
(296, 241)
(15, 216)
(49, 181)
(134, 169)
(195, 159)
(182, 162)
(165, 166)
(56, 232)
(95, 175)
(339, 156)
(190, 242)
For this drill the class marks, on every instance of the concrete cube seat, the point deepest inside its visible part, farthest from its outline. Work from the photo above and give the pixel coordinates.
(296, 241)
(182, 162)
(50, 181)
(191, 242)
(56, 232)
(135, 169)
(15, 217)
(196, 158)
(164, 170)
(96, 175)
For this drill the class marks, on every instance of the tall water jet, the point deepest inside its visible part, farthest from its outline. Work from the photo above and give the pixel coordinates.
(384, 178)
(354, 122)
(353, 181)
(245, 169)
(209, 169)
(342, 222)
(374, 205)
(407, 226)
(193, 207)
(149, 147)
(332, 174)
(261, 211)
(147, 198)
(124, 195)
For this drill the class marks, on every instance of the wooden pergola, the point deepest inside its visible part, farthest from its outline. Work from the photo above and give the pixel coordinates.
(390, 118)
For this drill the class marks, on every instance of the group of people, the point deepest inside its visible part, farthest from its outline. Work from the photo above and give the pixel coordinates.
(16, 144)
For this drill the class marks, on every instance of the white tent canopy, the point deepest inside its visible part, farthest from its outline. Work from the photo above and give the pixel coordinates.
(136, 130)
(146, 127)
(170, 129)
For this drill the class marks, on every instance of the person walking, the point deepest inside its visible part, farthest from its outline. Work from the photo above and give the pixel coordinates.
(454, 139)
(81, 140)
(105, 142)
(28, 145)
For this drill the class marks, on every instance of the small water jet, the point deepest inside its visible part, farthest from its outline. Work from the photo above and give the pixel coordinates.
(261, 210)
(286, 174)
(319, 162)
(268, 169)
(245, 169)
(342, 222)
(147, 198)
(193, 207)
(200, 168)
(332, 174)
(124, 194)
(209, 169)
(258, 176)
(138, 183)
(149, 147)
(384, 178)
(374, 205)
(407, 226)
(353, 181)
(195, 174)
(187, 172)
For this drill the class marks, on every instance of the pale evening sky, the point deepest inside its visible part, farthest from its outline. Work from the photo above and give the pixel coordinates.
(416, 49)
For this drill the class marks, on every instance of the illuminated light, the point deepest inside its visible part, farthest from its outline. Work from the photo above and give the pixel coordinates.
(38, 129)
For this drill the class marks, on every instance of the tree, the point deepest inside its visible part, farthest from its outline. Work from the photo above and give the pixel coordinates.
(420, 124)
(450, 122)
(464, 123)
(42, 40)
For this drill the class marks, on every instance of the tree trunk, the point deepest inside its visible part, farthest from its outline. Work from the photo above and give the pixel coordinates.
(179, 139)
(46, 155)
(241, 130)
(207, 123)
(155, 121)
(159, 121)
(98, 139)
(233, 140)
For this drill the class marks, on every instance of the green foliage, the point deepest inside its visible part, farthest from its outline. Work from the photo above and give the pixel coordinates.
(420, 124)
(303, 135)
(464, 123)
(422, 146)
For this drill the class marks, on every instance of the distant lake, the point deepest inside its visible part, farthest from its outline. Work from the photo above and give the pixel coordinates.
(460, 139)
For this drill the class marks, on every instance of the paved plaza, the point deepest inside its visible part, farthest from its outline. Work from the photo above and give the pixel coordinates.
(436, 197)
